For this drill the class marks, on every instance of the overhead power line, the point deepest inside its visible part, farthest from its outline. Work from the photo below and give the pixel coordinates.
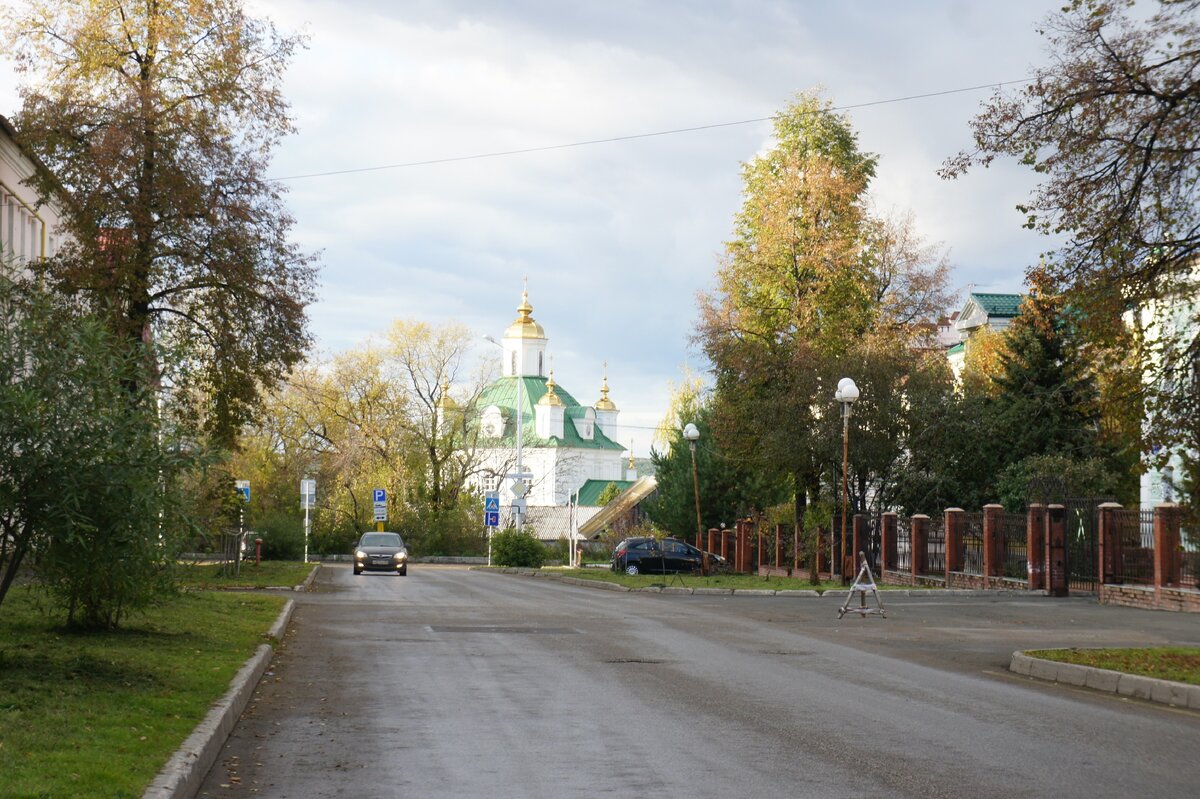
(630, 137)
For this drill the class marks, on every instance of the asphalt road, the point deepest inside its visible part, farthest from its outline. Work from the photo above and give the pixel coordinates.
(457, 683)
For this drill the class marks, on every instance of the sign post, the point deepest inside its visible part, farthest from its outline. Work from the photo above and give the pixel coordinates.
(519, 489)
(308, 501)
(380, 504)
(243, 489)
(491, 517)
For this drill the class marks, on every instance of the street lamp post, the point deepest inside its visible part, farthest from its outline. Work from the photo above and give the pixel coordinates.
(846, 394)
(692, 434)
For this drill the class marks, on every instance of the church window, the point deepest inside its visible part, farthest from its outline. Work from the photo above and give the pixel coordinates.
(512, 367)
(540, 371)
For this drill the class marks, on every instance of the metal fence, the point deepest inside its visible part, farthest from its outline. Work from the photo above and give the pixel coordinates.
(1082, 521)
(1014, 558)
(972, 543)
(874, 536)
(935, 547)
(1135, 529)
(904, 544)
(1189, 540)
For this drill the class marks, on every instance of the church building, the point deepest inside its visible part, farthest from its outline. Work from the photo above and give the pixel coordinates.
(563, 446)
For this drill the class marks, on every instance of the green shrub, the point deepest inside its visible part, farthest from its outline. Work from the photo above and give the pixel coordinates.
(512, 547)
(282, 535)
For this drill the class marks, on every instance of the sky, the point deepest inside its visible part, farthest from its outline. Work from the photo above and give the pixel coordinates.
(616, 238)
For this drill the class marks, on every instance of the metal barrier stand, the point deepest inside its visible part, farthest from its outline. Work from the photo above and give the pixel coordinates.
(863, 583)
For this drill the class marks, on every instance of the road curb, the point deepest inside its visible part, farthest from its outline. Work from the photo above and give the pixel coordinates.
(832, 593)
(308, 581)
(183, 774)
(1164, 692)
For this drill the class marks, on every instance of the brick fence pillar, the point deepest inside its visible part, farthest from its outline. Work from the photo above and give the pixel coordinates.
(954, 531)
(780, 531)
(724, 544)
(887, 542)
(1110, 556)
(1056, 551)
(920, 543)
(1167, 559)
(993, 541)
(712, 540)
(1035, 535)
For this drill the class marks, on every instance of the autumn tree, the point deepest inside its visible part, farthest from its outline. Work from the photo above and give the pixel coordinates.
(1112, 126)
(790, 291)
(157, 120)
(908, 277)
(393, 414)
(812, 288)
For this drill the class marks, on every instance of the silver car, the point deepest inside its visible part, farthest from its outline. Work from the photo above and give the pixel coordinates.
(381, 552)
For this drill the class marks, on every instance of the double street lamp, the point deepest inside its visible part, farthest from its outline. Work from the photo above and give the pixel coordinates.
(846, 394)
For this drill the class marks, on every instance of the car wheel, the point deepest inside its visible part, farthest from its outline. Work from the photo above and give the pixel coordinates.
(402, 571)
(631, 568)
(358, 571)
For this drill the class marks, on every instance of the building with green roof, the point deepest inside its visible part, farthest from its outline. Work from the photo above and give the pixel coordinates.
(981, 315)
(563, 444)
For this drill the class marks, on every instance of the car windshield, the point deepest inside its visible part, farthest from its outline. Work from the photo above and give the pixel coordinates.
(381, 540)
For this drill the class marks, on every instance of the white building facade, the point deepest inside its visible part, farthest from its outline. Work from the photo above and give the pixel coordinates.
(31, 226)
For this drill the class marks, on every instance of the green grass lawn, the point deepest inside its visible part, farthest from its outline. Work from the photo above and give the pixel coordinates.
(268, 574)
(1179, 664)
(98, 714)
(734, 581)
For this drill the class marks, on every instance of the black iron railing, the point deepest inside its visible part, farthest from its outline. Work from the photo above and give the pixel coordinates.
(935, 547)
(1014, 558)
(1135, 529)
(972, 543)
(1189, 540)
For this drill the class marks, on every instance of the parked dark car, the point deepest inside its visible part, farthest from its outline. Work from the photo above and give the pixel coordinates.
(381, 552)
(658, 556)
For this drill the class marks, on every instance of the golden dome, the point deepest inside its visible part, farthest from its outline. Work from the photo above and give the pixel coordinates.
(550, 398)
(446, 402)
(524, 326)
(604, 403)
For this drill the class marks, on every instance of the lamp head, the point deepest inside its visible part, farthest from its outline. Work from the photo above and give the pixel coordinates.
(846, 390)
(691, 432)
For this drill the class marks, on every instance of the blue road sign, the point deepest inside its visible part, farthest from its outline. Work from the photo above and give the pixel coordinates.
(491, 518)
(491, 504)
(243, 488)
(381, 495)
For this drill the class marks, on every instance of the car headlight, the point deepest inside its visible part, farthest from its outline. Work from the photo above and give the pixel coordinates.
(401, 556)
(359, 554)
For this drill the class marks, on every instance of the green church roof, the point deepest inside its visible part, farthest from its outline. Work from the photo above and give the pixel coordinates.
(589, 492)
(503, 393)
(1002, 305)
